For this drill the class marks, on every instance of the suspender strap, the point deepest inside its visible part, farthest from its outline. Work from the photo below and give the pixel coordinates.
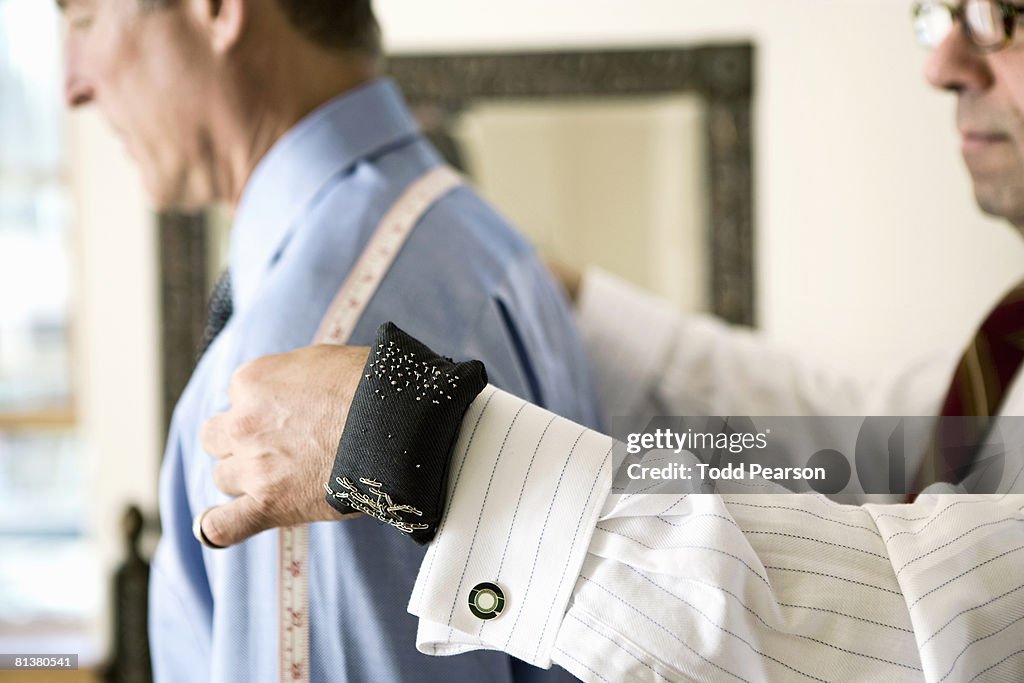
(336, 328)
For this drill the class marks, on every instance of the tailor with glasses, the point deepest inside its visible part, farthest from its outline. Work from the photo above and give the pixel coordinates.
(704, 587)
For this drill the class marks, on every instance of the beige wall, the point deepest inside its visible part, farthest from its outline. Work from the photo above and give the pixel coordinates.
(870, 249)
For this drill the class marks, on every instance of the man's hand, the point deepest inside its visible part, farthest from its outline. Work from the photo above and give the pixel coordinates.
(277, 443)
(568, 277)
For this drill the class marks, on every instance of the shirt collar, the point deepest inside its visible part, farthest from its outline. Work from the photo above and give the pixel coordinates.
(330, 140)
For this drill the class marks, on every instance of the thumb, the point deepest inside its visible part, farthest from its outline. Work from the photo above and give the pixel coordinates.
(231, 523)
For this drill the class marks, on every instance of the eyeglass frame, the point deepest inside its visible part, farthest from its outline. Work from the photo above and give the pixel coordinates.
(1011, 14)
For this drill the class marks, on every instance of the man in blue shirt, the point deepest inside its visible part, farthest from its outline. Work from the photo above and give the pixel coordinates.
(274, 107)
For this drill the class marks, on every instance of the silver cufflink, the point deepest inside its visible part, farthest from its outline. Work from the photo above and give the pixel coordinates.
(486, 601)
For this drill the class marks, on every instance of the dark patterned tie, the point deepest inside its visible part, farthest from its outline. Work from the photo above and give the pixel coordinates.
(979, 385)
(219, 311)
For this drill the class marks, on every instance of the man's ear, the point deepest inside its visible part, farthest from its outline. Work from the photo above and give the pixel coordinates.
(224, 20)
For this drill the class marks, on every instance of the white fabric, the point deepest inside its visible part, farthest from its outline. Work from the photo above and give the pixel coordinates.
(706, 587)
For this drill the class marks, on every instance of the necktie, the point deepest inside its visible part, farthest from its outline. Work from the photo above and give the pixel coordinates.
(219, 311)
(977, 390)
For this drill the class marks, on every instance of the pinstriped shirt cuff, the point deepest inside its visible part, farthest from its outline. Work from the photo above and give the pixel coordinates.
(631, 362)
(525, 492)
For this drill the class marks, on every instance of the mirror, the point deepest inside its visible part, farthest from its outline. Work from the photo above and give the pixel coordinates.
(617, 183)
(682, 122)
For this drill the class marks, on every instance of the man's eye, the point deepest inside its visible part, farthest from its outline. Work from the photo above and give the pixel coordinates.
(80, 21)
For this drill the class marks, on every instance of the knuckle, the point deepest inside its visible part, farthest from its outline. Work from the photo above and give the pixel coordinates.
(209, 431)
(247, 373)
(244, 379)
(243, 426)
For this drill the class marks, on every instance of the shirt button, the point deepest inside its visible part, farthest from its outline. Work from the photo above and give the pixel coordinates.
(486, 601)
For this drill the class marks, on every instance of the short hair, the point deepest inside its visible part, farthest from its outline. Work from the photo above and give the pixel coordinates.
(345, 25)
(340, 25)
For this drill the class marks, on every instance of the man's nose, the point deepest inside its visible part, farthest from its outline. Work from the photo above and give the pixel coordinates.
(77, 92)
(957, 65)
(78, 89)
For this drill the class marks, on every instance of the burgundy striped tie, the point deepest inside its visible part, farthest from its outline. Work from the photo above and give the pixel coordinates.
(979, 386)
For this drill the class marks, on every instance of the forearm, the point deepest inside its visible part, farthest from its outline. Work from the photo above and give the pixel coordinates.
(651, 358)
(762, 587)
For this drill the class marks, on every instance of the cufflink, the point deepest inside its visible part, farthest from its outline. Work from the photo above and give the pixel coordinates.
(486, 601)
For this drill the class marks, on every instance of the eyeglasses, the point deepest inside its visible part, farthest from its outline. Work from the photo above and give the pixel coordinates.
(987, 24)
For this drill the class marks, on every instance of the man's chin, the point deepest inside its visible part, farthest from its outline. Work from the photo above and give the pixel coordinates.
(181, 207)
(177, 199)
(1001, 200)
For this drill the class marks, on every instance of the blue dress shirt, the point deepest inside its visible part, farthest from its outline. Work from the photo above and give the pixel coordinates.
(466, 284)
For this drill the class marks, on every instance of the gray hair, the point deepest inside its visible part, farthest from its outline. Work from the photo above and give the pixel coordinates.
(341, 25)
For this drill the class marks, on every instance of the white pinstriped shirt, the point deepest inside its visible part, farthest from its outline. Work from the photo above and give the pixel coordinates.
(740, 588)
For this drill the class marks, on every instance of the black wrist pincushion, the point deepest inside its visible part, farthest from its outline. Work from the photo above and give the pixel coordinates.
(392, 462)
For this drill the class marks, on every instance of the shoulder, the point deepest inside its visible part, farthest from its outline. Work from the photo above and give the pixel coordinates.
(466, 230)
(462, 257)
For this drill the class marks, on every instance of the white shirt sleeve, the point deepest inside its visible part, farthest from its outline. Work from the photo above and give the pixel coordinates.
(706, 587)
(525, 491)
(660, 587)
(650, 359)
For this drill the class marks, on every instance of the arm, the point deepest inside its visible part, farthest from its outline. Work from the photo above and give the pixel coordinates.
(756, 579)
(663, 587)
(614, 587)
(651, 359)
